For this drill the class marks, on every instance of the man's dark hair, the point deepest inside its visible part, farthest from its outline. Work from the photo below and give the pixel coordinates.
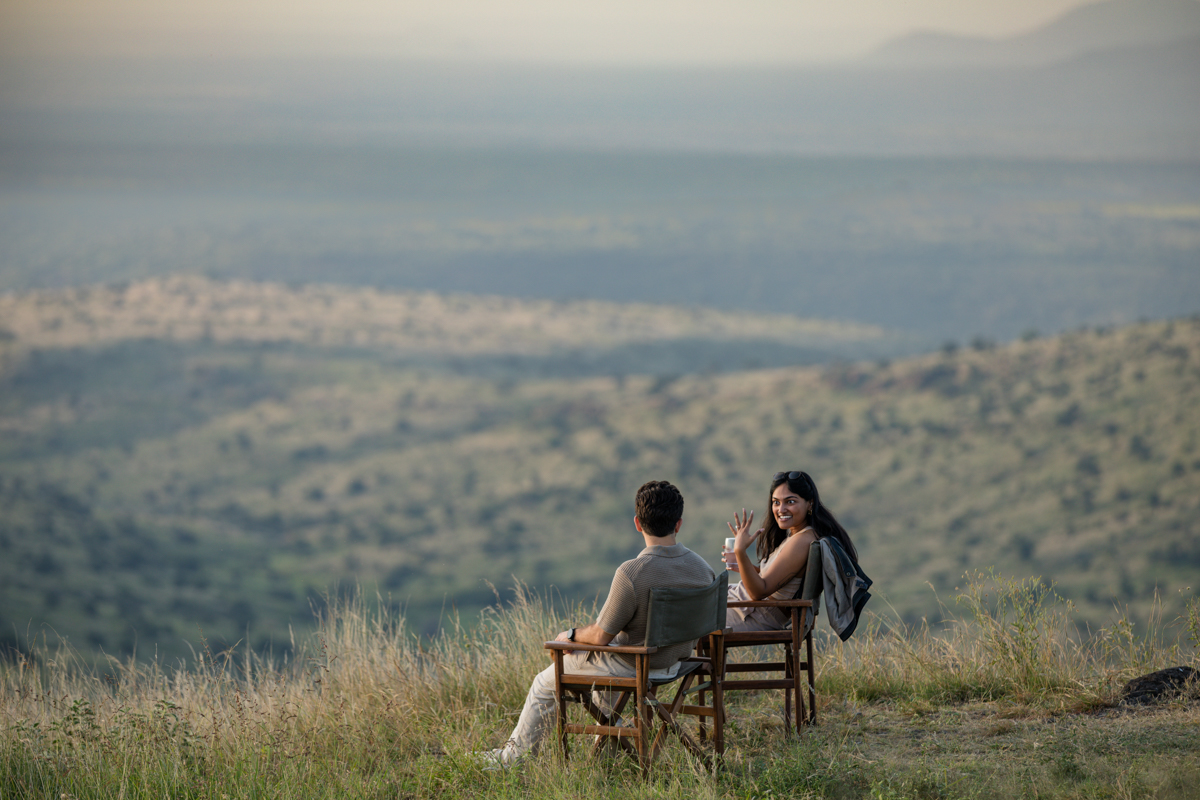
(659, 506)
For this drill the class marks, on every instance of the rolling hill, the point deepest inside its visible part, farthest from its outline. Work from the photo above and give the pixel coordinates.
(169, 474)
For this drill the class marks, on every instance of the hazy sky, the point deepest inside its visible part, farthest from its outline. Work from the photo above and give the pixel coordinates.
(567, 31)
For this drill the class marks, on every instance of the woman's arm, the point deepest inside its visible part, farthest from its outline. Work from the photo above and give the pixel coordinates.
(792, 557)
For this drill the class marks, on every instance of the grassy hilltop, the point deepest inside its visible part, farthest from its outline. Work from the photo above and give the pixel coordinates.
(182, 456)
(1004, 703)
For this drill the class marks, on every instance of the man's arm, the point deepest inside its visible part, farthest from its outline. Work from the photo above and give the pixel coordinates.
(588, 634)
(616, 613)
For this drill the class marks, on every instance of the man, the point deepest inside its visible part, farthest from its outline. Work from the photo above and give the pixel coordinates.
(622, 621)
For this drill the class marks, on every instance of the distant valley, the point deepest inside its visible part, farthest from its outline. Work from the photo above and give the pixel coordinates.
(184, 458)
(932, 249)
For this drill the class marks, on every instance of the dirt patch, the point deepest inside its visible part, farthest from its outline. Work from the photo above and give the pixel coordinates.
(1159, 686)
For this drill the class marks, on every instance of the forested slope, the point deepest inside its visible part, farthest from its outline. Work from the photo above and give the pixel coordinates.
(164, 476)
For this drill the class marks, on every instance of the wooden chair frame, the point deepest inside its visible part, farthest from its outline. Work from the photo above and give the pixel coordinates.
(675, 615)
(799, 674)
(646, 742)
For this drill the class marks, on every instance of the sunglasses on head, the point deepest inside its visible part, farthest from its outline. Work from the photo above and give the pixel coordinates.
(791, 476)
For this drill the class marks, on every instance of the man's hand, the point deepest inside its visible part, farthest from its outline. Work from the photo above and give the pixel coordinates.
(565, 636)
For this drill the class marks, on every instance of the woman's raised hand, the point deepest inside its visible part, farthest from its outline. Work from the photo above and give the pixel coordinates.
(740, 528)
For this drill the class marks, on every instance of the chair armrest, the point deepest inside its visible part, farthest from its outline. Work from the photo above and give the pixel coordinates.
(770, 603)
(601, 648)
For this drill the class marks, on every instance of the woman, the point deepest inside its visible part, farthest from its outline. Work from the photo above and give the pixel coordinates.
(797, 520)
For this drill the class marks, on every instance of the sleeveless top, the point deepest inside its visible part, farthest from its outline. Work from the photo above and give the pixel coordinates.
(772, 618)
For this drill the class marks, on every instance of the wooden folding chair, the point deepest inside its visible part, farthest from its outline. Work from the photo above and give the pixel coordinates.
(798, 674)
(675, 615)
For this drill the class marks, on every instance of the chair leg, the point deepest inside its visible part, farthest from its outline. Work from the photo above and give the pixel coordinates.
(701, 697)
(718, 676)
(673, 712)
(789, 671)
(561, 701)
(671, 724)
(812, 682)
(797, 677)
(641, 713)
(656, 743)
(609, 717)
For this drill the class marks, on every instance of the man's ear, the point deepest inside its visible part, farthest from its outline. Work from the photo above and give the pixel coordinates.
(637, 524)
(678, 524)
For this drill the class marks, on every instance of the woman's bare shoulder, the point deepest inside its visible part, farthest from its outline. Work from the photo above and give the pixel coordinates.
(801, 540)
(794, 549)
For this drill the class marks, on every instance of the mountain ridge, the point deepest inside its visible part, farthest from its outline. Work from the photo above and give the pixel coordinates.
(1093, 28)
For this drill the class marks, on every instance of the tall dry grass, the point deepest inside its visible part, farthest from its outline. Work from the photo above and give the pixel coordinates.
(362, 693)
(367, 709)
(1015, 641)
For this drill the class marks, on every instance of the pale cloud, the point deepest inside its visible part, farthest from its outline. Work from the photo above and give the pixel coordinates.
(565, 31)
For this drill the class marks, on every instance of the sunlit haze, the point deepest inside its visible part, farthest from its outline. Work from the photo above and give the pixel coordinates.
(412, 295)
(566, 31)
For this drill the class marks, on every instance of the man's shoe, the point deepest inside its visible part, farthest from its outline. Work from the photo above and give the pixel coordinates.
(500, 758)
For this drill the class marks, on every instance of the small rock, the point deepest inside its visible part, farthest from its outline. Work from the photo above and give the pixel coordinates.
(1158, 685)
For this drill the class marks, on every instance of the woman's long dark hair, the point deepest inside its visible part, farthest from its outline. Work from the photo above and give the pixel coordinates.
(820, 517)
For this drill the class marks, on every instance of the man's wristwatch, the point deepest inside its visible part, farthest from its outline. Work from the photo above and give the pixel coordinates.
(571, 635)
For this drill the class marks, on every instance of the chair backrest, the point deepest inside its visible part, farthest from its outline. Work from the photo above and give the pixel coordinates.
(813, 582)
(684, 615)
